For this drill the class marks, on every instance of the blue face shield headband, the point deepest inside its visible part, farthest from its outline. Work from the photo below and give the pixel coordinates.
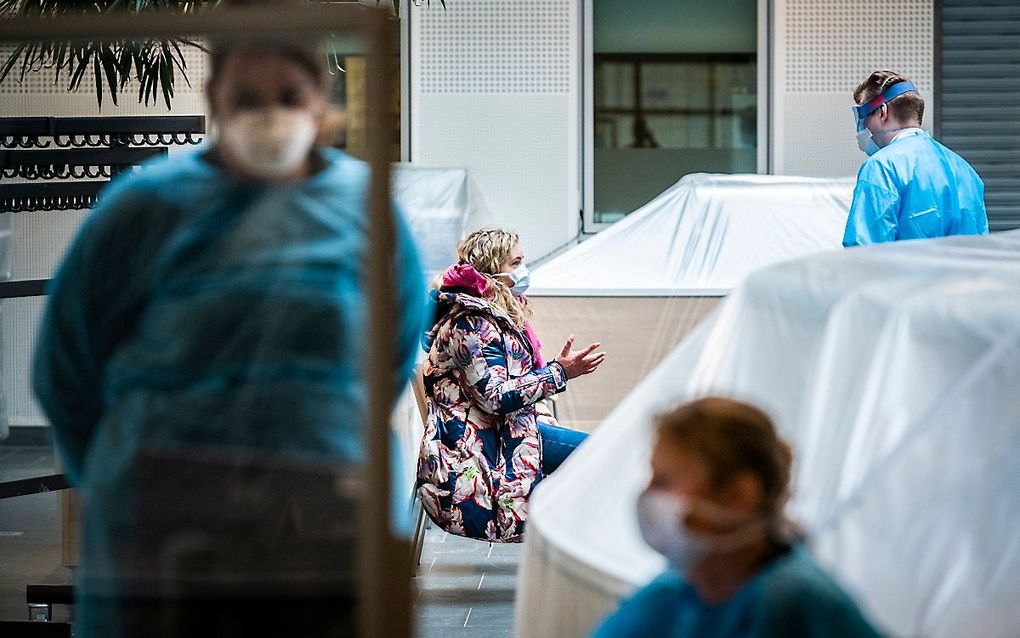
(862, 112)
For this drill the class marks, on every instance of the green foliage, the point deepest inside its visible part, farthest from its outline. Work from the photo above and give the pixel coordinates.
(112, 64)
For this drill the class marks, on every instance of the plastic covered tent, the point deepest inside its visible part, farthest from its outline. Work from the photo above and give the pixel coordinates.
(893, 370)
(441, 205)
(702, 236)
(641, 285)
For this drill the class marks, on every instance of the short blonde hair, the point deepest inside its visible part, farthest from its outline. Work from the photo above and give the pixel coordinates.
(486, 250)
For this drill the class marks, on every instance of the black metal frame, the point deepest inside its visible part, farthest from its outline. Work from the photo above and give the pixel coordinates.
(35, 485)
(20, 198)
(88, 163)
(88, 150)
(68, 132)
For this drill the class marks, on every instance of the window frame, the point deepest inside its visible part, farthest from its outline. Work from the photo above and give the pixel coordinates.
(587, 108)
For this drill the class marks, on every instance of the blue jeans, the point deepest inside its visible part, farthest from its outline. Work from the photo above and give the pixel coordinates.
(557, 444)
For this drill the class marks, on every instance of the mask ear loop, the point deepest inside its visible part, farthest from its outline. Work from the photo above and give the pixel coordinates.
(742, 533)
(889, 133)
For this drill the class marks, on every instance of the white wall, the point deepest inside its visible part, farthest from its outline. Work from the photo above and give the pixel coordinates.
(494, 89)
(822, 50)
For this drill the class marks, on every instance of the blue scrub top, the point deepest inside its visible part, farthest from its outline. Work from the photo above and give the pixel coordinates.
(915, 188)
(791, 596)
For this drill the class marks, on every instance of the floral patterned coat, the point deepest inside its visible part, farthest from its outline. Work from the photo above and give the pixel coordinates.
(481, 453)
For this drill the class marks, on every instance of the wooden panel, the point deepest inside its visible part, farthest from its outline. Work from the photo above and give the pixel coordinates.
(636, 333)
(70, 528)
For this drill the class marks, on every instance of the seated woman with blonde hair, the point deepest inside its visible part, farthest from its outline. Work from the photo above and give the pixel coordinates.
(487, 443)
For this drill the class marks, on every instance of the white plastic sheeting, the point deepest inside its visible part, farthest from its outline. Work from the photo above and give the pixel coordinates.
(441, 205)
(894, 370)
(702, 236)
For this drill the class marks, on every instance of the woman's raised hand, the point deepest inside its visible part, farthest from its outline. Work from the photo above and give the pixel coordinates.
(578, 363)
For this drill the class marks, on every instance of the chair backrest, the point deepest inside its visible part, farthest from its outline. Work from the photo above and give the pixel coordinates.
(418, 385)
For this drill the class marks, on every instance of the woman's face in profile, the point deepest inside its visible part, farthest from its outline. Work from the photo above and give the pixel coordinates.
(513, 261)
(678, 470)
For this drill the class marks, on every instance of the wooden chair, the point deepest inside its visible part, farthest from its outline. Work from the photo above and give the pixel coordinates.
(418, 511)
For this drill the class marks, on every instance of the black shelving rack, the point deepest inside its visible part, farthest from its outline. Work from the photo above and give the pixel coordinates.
(63, 163)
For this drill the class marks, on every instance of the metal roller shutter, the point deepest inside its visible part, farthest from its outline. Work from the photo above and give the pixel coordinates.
(979, 116)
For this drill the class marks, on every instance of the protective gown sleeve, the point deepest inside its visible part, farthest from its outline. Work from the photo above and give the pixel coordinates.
(973, 206)
(413, 302)
(412, 308)
(873, 215)
(93, 303)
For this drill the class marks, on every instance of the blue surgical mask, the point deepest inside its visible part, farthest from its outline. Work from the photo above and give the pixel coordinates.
(521, 278)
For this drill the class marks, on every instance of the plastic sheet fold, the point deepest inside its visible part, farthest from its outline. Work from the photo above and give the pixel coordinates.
(893, 370)
(702, 236)
(441, 205)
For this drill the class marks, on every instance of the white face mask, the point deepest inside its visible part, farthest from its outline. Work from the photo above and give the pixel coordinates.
(269, 143)
(661, 520)
(866, 139)
(866, 142)
(521, 278)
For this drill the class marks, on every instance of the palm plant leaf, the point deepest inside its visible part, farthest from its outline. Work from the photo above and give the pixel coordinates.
(114, 64)
(149, 62)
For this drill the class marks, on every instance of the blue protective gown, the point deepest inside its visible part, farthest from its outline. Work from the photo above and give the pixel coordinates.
(791, 596)
(915, 188)
(196, 309)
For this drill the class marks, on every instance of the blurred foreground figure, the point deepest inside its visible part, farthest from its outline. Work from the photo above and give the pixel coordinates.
(736, 565)
(200, 361)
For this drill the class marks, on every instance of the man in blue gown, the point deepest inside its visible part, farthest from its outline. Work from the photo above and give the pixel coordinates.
(911, 186)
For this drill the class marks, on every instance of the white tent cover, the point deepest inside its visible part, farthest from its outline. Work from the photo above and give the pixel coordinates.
(441, 206)
(895, 372)
(703, 236)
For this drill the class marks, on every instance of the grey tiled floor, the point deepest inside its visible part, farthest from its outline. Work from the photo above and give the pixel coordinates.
(465, 587)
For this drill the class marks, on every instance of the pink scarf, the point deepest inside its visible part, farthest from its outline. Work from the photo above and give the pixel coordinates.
(466, 277)
(536, 345)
